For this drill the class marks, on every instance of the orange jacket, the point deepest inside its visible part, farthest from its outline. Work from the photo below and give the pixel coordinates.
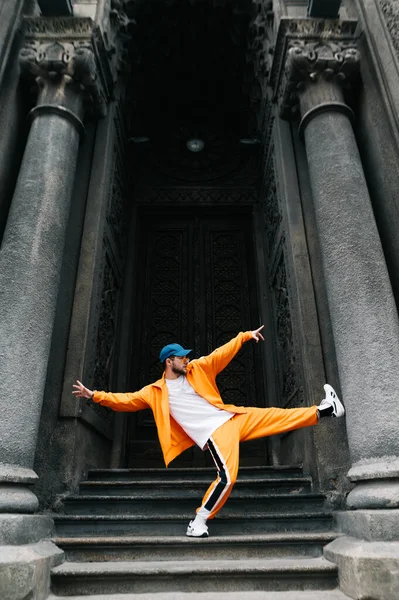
(201, 374)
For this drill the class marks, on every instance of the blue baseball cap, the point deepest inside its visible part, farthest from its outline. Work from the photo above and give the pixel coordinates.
(172, 350)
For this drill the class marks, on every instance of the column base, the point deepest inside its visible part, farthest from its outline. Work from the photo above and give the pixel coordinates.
(370, 525)
(15, 493)
(24, 529)
(376, 484)
(25, 570)
(374, 495)
(18, 499)
(366, 569)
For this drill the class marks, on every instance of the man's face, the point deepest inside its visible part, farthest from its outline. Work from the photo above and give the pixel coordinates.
(179, 364)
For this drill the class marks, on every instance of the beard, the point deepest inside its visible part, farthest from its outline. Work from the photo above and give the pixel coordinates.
(178, 371)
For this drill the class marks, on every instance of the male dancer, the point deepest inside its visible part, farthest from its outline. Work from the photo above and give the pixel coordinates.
(188, 410)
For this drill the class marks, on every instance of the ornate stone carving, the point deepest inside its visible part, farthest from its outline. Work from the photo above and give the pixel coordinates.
(267, 145)
(107, 327)
(290, 380)
(227, 291)
(309, 62)
(260, 46)
(260, 49)
(112, 273)
(182, 302)
(271, 209)
(56, 27)
(290, 386)
(119, 34)
(165, 300)
(199, 196)
(118, 15)
(116, 212)
(62, 48)
(306, 30)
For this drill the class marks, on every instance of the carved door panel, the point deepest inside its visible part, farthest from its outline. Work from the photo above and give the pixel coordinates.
(194, 288)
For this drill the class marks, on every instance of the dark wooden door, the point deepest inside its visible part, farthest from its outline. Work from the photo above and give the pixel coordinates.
(196, 287)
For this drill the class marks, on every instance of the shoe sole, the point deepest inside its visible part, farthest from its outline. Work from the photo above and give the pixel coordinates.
(203, 535)
(338, 407)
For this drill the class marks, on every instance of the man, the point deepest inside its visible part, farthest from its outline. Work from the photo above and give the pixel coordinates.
(188, 410)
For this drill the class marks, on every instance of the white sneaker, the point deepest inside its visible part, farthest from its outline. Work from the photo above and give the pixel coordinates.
(332, 400)
(197, 528)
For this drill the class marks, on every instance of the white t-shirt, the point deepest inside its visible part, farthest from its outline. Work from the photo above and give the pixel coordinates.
(198, 417)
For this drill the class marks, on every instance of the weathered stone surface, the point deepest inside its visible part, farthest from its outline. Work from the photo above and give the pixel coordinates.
(205, 575)
(15, 474)
(24, 529)
(382, 468)
(307, 595)
(377, 484)
(25, 570)
(311, 63)
(358, 287)
(59, 56)
(29, 270)
(10, 15)
(328, 463)
(18, 498)
(366, 569)
(357, 281)
(371, 525)
(12, 110)
(374, 494)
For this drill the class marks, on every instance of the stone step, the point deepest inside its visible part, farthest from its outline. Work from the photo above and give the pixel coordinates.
(180, 501)
(146, 453)
(335, 594)
(193, 487)
(172, 525)
(205, 474)
(194, 576)
(159, 548)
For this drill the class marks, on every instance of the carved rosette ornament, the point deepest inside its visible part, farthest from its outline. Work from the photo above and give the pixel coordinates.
(315, 75)
(64, 51)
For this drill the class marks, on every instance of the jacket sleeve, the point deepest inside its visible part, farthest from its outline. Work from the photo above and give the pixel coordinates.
(128, 402)
(220, 358)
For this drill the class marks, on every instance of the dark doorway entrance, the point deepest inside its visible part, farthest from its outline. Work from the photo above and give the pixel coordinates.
(196, 286)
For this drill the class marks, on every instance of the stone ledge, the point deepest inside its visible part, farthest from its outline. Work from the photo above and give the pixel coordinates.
(374, 494)
(16, 474)
(24, 529)
(298, 595)
(366, 569)
(369, 525)
(387, 467)
(25, 570)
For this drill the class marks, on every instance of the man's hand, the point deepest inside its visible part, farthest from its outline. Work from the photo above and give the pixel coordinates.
(81, 391)
(256, 334)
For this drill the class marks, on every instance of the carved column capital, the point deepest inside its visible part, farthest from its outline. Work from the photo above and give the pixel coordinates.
(66, 50)
(322, 67)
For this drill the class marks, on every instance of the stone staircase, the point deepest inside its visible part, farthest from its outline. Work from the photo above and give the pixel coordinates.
(125, 534)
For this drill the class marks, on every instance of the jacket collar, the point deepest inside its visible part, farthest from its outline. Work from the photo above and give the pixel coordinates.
(160, 383)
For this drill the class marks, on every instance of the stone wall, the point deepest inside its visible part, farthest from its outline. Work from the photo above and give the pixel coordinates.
(377, 125)
(85, 342)
(13, 102)
(66, 445)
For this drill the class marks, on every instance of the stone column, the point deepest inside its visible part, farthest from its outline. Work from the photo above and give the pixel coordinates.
(32, 250)
(363, 312)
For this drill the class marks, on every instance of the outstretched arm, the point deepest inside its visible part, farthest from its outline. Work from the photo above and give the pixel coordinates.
(220, 358)
(129, 402)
